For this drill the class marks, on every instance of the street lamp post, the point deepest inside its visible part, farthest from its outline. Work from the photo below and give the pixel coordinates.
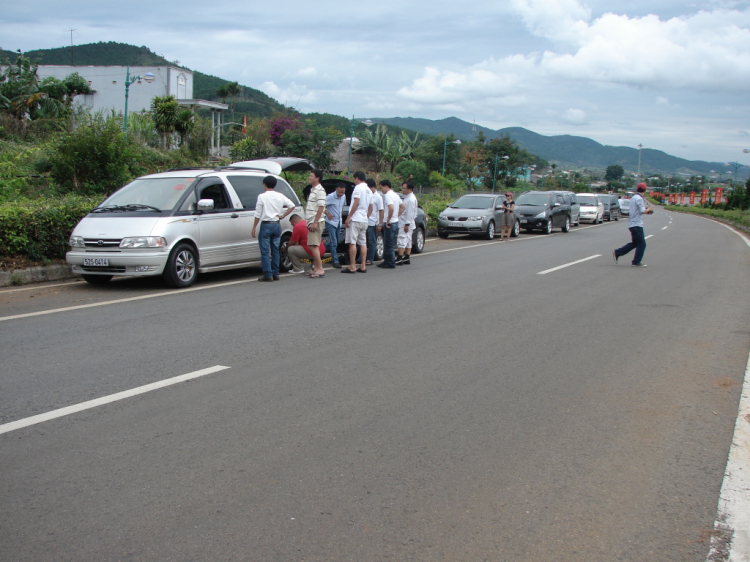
(445, 147)
(148, 77)
(494, 175)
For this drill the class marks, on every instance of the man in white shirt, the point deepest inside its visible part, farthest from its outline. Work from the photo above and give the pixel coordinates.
(406, 223)
(638, 208)
(334, 207)
(356, 224)
(268, 211)
(391, 206)
(316, 204)
(374, 221)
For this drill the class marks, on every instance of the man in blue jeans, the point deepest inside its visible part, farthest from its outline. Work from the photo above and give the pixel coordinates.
(335, 202)
(268, 211)
(391, 205)
(635, 224)
(374, 221)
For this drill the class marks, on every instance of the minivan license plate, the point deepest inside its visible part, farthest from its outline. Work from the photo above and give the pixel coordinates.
(96, 262)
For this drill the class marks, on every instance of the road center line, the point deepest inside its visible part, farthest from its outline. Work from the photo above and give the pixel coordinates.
(546, 271)
(33, 420)
(665, 228)
(649, 236)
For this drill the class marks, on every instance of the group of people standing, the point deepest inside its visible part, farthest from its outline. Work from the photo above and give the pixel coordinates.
(369, 214)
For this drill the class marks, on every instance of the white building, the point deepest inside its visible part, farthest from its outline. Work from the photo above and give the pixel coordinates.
(108, 83)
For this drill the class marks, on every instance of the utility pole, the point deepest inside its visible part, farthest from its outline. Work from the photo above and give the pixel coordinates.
(640, 146)
(71, 44)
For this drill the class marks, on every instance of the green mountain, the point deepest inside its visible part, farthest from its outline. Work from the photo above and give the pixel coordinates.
(251, 101)
(566, 150)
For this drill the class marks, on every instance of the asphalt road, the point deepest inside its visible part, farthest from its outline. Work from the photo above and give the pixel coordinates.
(463, 408)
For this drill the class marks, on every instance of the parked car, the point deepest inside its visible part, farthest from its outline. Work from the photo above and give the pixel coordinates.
(178, 224)
(624, 205)
(418, 237)
(570, 199)
(543, 210)
(475, 213)
(611, 206)
(592, 209)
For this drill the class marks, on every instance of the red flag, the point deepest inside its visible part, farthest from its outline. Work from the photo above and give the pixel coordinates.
(244, 125)
(704, 196)
(692, 197)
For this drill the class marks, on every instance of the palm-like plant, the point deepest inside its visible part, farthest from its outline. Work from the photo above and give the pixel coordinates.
(165, 110)
(185, 125)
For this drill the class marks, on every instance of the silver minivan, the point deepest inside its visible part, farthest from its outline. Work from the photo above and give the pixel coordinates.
(179, 223)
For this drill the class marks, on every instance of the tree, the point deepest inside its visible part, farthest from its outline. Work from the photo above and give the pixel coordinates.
(311, 142)
(24, 96)
(184, 125)
(614, 173)
(165, 110)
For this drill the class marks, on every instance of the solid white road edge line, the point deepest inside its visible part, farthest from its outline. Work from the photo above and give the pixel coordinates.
(227, 284)
(649, 236)
(546, 271)
(33, 420)
(731, 538)
(39, 287)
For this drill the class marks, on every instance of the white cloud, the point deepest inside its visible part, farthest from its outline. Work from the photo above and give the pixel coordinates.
(293, 95)
(308, 72)
(661, 100)
(575, 117)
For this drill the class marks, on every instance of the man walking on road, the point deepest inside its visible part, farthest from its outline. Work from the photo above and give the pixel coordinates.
(356, 224)
(316, 204)
(268, 210)
(406, 224)
(635, 225)
(335, 202)
(374, 221)
(392, 204)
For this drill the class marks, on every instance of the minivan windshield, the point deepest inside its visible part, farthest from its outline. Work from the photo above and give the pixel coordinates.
(536, 199)
(147, 194)
(589, 200)
(466, 202)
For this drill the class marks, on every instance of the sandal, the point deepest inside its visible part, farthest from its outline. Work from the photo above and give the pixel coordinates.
(316, 275)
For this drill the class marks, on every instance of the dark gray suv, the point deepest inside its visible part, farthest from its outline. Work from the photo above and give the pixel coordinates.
(611, 206)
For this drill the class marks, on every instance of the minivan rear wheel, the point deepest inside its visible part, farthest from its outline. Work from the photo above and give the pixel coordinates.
(285, 264)
(566, 226)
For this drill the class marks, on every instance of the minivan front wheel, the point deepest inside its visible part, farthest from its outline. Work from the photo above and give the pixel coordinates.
(566, 226)
(182, 267)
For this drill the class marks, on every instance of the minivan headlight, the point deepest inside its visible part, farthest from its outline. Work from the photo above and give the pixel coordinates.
(542, 215)
(144, 242)
(76, 242)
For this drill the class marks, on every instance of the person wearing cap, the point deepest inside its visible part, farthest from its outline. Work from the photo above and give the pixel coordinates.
(638, 208)
(509, 218)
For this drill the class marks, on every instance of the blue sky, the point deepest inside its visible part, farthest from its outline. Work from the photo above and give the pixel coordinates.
(670, 75)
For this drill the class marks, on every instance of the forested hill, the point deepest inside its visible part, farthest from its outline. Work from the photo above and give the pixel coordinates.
(252, 102)
(567, 150)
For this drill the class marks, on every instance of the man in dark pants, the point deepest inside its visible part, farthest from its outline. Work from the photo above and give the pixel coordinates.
(635, 224)
(270, 208)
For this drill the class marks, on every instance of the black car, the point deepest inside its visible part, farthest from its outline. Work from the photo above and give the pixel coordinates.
(329, 185)
(543, 210)
(611, 206)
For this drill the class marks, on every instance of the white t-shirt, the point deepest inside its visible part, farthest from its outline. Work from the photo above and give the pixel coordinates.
(270, 205)
(391, 198)
(377, 206)
(363, 194)
(410, 211)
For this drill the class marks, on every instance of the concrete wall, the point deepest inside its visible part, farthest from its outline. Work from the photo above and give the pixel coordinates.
(109, 83)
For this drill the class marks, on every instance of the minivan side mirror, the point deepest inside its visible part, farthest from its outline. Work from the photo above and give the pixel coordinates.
(206, 205)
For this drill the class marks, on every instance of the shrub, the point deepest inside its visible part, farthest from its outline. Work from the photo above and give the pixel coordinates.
(39, 228)
(93, 159)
